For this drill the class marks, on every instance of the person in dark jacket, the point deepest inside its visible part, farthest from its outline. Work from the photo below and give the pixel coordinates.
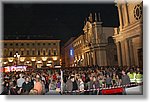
(6, 89)
(13, 89)
(27, 86)
(125, 78)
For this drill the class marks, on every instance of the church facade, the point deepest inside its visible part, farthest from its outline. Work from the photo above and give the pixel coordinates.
(128, 37)
(95, 46)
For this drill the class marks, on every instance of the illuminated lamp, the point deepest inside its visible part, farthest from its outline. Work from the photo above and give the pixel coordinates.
(44, 58)
(22, 59)
(48, 64)
(49, 61)
(27, 62)
(33, 59)
(54, 58)
(5, 62)
(10, 59)
(39, 61)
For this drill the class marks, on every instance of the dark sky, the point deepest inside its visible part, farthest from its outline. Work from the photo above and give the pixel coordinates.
(60, 21)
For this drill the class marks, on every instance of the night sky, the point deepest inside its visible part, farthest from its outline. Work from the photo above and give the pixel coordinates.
(58, 21)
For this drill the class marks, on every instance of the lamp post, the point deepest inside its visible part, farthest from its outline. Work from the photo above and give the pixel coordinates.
(17, 56)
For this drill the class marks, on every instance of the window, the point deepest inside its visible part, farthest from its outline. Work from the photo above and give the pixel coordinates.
(55, 52)
(5, 52)
(49, 43)
(39, 44)
(49, 52)
(16, 44)
(28, 52)
(5, 44)
(27, 44)
(11, 54)
(43, 43)
(22, 53)
(38, 52)
(33, 44)
(11, 44)
(110, 40)
(54, 43)
(44, 52)
(32, 52)
(22, 44)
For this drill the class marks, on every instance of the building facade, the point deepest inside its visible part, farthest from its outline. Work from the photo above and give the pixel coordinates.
(129, 35)
(68, 53)
(94, 46)
(35, 53)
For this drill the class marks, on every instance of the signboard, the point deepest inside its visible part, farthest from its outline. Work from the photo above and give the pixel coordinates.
(15, 68)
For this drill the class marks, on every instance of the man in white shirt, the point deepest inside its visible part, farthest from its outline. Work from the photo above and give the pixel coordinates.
(20, 81)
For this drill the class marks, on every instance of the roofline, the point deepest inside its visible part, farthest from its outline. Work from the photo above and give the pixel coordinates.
(30, 40)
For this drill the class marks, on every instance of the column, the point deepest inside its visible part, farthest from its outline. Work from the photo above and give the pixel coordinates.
(90, 59)
(127, 50)
(119, 55)
(98, 57)
(94, 58)
(123, 53)
(86, 59)
(126, 14)
(131, 52)
(120, 16)
(103, 57)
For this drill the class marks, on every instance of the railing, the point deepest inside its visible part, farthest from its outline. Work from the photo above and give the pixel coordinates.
(105, 90)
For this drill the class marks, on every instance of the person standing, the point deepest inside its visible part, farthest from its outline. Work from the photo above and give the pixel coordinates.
(108, 81)
(125, 78)
(139, 76)
(81, 86)
(69, 84)
(26, 86)
(20, 81)
(38, 85)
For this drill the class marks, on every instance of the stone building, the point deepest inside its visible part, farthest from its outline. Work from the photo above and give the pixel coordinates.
(68, 56)
(128, 37)
(35, 53)
(93, 46)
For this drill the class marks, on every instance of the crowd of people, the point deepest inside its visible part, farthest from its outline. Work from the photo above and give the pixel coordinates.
(50, 82)
(99, 77)
(31, 82)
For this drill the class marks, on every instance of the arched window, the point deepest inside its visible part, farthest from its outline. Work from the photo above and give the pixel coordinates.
(38, 52)
(11, 53)
(110, 40)
(44, 52)
(49, 52)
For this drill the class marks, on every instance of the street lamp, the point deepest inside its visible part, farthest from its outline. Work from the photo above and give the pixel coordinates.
(17, 56)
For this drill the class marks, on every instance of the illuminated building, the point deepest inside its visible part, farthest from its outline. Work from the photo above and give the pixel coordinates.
(68, 56)
(128, 36)
(94, 47)
(35, 53)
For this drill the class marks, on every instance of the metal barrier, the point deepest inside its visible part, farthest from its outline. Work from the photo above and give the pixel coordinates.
(105, 90)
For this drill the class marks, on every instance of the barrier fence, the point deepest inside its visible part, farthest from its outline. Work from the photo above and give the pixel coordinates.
(106, 90)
